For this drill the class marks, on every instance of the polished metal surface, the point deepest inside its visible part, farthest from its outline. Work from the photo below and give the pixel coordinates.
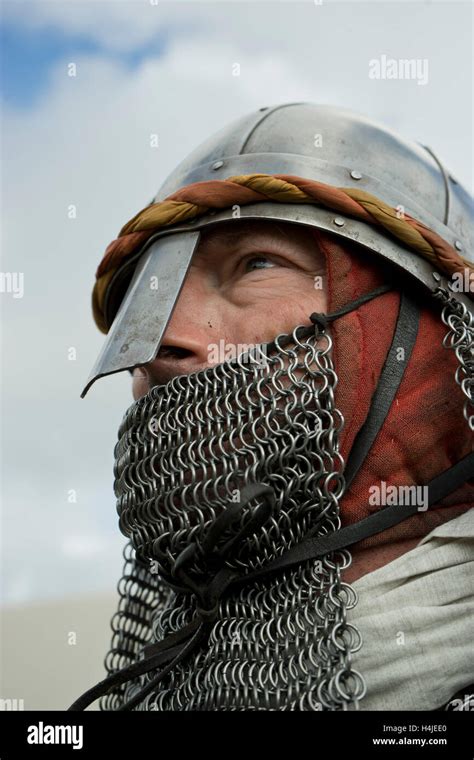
(139, 327)
(326, 143)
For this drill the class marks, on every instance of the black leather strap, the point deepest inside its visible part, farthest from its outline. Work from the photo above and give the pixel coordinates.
(312, 548)
(390, 379)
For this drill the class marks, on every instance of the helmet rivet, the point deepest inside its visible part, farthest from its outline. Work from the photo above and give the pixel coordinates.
(339, 221)
(217, 165)
(458, 245)
(355, 174)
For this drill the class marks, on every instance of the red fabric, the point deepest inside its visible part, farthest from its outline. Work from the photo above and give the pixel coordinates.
(425, 431)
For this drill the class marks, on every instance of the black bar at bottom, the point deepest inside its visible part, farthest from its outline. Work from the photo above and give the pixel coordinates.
(139, 734)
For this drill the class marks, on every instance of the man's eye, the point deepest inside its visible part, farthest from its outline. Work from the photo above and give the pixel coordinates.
(258, 262)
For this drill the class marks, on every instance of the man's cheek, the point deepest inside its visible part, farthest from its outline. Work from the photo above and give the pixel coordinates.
(140, 383)
(296, 308)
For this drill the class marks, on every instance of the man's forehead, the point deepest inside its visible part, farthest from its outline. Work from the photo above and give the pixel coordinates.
(235, 232)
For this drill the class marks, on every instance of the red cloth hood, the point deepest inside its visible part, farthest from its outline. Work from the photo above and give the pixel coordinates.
(424, 432)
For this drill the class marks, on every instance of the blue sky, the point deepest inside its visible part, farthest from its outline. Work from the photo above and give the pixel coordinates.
(29, 55)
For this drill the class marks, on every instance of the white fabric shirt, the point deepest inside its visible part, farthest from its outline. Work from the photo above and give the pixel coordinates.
(416, 616)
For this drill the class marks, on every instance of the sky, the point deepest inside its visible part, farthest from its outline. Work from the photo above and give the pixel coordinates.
(77, 163)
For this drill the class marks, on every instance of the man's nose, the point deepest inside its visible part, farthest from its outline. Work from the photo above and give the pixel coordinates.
(195, 324)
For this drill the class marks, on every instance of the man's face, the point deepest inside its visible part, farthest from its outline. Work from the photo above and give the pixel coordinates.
(248, 282)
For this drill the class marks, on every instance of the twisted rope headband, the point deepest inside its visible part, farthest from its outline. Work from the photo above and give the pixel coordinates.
(200, 197)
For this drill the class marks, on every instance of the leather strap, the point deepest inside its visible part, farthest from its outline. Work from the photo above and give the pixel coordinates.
(406, 331)
(312, 548)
